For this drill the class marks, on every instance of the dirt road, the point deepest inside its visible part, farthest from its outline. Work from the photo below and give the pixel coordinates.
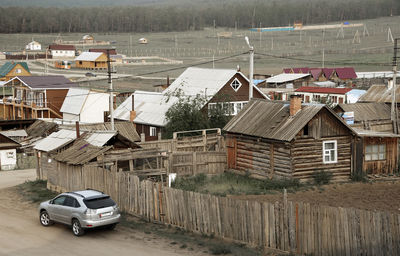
(22, 234)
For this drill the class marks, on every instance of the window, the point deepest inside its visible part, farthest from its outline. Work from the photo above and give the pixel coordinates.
(236, 84)
(375, 152)
(329, 153)
(100, 202)
(10, 154)
(18, 71)
(229, 108)
(59, 200)
(305, 130)
(71, 202)
(29, 98)
(153, 131)
(18, 97)
(39, 101)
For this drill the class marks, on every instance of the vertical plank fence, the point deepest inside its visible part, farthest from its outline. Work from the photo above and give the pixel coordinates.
(299, 228)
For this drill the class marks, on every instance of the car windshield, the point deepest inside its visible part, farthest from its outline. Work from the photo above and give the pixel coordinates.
(100, 202)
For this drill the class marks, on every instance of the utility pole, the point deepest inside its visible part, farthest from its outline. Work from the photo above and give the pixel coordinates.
(109, 71)
(394, 103)
(251, 68)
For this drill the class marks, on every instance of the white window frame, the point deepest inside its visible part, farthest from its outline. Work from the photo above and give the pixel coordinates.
(153, 131)
(240, 84)
(232, 108)
(327, 152)
(18, 71)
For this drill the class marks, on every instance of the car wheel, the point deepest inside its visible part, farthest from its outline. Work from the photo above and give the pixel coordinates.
(111, 227)
(45, 219)
(76, 228)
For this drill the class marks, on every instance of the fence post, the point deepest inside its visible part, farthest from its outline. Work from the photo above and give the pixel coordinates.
(194, 168)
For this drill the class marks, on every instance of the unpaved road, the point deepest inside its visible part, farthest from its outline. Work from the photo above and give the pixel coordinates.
(22, 234)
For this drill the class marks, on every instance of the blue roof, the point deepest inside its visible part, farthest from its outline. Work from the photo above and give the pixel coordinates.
(257, 81)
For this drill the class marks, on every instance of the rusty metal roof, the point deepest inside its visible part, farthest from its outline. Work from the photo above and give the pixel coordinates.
(271, 120)
(367, 111)
(380, 93)
(81, 152)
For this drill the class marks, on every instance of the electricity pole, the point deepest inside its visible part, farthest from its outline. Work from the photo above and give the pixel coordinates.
(251, 68)
(109, 71)
(394, 103)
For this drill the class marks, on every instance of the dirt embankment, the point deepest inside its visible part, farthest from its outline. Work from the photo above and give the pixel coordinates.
(380, 196)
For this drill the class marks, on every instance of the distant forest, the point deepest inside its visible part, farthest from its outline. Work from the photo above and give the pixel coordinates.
(188, 16)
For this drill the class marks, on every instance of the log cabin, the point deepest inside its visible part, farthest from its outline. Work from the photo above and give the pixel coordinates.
(91, 60)
(270, 139)
(12, 69)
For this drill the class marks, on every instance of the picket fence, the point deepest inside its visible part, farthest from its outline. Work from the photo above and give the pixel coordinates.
(300, 228)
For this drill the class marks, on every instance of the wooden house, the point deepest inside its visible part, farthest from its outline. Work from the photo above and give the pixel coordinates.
(226, 88)
(288, 80)
(91, 60)
(33, 46)
(8, 152)
(12, 69)
(35, 97)
(274, 139)
(376, 148)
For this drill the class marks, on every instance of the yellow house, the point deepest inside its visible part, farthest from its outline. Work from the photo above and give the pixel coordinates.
(12, 69)
(91, 60)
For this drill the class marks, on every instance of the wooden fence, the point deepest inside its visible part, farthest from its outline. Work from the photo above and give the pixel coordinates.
(300, 228)
(192, 163)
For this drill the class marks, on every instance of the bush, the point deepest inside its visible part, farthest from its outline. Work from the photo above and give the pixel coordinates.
(218, 249)
(359, 176)
(190, 183)
(278, 184)
(322, 177)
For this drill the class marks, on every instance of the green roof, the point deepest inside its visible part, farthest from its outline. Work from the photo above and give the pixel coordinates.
(8, 66)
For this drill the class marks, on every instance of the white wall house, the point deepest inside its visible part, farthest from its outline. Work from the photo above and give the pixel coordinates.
(84, 105)
(33, 46)
(8, 153)
(63, 51)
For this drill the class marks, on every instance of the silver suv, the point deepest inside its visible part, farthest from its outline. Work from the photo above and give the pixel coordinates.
(81, 209)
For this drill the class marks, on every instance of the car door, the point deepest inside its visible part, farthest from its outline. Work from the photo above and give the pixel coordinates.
(56, 207)
(69, 207)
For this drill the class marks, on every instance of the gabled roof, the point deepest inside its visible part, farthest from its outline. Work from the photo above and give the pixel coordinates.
(328, 72)
(284, 78)
(315, 72)
(287, 70)
(40, 128)
(271, 120)
(14, 133)
(65, 47)
(326, 90)
(7, 142)
(88, 56)
(367, 111)
(44, 82)
(8, 66)
(380, 93)
(346, 73)
(74, 100)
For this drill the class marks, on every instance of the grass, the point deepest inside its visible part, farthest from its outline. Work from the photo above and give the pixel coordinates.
(35, 191)
(188, 240)
(233, 184)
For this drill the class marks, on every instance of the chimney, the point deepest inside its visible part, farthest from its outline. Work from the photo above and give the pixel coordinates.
(132, 112)
(167, 81)
(295, 104)
(77, 129)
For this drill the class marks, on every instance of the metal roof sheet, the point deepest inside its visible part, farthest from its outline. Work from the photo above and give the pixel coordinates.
(271, 120)
(14, 133)
(88, 56)
(100, 138)
(346, 73)
(367, 111)
(286, 77)
(74, 100)
(56, 140)
(45, 82)
(378, 74)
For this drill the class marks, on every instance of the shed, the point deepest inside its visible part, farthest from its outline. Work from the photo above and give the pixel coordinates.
(8, 152)
(33, 46)
(282, 80)
(91, 60)
(289, 140)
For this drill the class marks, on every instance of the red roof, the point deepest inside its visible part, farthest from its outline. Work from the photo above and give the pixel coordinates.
(305, 70)
(287, 70)
(62, 47)
(323, 90)
(346, 73)
(328, 72)
(315, 72)
(296, 70)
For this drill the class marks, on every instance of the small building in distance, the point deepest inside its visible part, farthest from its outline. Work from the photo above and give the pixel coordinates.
(85, 105)
(288, 80)
(143, 41)
(33, 46)
(88, 39)
(62, 51)
(8, 153)
(91, 60)
(327, 95)
(12, 69)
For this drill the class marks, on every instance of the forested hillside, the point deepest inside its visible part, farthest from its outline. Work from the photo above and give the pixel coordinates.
(186, 16)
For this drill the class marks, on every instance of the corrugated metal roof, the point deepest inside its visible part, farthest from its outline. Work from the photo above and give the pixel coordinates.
(283, 78)
(56, 140)
(323, 90)
(74, 101)
(8, 66)
(271, 120)
(100, 138)
(354, 95)
(379, 93)
(45, 82)
(346, 73)
(88, 56)
(315, 72)
(14, 133)
(328, 72)
(367, 111)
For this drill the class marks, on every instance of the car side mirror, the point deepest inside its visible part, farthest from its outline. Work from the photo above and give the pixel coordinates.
(51, 202)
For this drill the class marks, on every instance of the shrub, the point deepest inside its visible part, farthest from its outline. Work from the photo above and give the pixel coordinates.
(359, 176)
(190, 183)
(218, 249)
(322, 177)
